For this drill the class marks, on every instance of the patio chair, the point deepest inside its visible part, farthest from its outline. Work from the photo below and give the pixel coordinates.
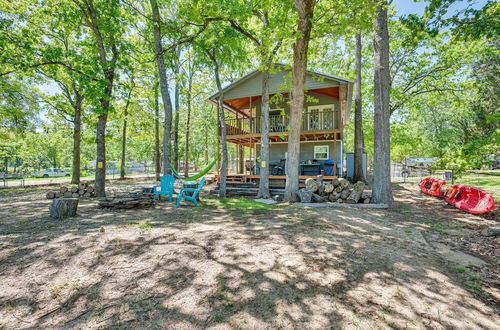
(190, 194)
(166, 187)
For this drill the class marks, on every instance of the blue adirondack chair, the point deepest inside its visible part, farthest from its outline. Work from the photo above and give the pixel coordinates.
(193, 196)
(166, 187)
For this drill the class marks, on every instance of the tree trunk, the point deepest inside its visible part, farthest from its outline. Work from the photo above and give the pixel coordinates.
(77, 129)
(206, 143)
(167, 103)
(264, 149)
(157, 135)
(188, 123)
(305, 9)
(358, 119)
(176, 116)
(381, 191)
(222, 123)
(124, 143)
(108, 69)
(100, 171)
(124, 134)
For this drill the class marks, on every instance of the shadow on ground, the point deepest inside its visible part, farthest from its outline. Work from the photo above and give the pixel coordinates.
(226, 268)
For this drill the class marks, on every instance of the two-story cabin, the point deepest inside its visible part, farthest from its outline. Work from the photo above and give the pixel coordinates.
(326, 111)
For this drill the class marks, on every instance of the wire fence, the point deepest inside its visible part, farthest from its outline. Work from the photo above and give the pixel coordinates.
(488, 180)
(13, 180)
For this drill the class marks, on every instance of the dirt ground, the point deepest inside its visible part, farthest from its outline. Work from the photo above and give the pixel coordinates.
(421, 264)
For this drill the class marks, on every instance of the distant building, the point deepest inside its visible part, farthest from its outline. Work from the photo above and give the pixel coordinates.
(419, 161)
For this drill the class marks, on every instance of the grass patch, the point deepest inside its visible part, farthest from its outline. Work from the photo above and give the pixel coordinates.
(440, 227)
(144, 225)
(235, 203)
(459, 270)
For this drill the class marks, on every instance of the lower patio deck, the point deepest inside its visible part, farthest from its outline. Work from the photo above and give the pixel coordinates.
(244, 178)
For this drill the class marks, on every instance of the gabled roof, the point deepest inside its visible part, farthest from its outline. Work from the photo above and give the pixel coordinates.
(314, 80)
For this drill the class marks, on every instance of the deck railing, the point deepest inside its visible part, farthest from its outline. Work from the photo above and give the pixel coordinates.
(311, 121)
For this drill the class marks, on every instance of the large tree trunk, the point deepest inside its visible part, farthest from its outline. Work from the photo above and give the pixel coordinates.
(305, 9)
(381, 190)
(222, 124)
(77, 133)
(157, 136)
(124, 135)
(176, 116)
(167, 103)
(108, 68)
(100, 171)
(358, 118)
(264, 149)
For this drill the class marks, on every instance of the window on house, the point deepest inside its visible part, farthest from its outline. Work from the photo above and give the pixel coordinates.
(321, 152)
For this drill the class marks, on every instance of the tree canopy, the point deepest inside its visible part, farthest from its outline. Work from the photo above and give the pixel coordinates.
(67, 66)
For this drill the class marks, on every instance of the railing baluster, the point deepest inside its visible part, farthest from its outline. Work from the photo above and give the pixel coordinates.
(326, 120)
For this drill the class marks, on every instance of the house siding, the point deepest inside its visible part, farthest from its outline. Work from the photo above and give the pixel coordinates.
(284, 104)
(278, 82)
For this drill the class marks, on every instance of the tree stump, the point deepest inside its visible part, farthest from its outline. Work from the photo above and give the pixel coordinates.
(74, 189)
(357, 191)
(63, 207)
(305, 195)
(50, 195)
(329, 188)
(63, 189)
(82, 185)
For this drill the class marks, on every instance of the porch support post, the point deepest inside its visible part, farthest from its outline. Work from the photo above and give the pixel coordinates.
(241, 157)
(218, 164)
(252, 146)
(335, 171)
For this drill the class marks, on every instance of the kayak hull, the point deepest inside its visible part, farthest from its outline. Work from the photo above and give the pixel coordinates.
(469, 199)
(432, 186)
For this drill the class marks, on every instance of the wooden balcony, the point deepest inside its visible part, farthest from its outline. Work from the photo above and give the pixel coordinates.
(316, 125)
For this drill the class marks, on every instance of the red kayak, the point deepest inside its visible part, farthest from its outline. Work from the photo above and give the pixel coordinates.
(469, 199)
(432, 186)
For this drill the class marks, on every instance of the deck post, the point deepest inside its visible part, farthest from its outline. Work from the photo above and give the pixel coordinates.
(241, 157)
(335, 165)
(252, 146)
(218, 150)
